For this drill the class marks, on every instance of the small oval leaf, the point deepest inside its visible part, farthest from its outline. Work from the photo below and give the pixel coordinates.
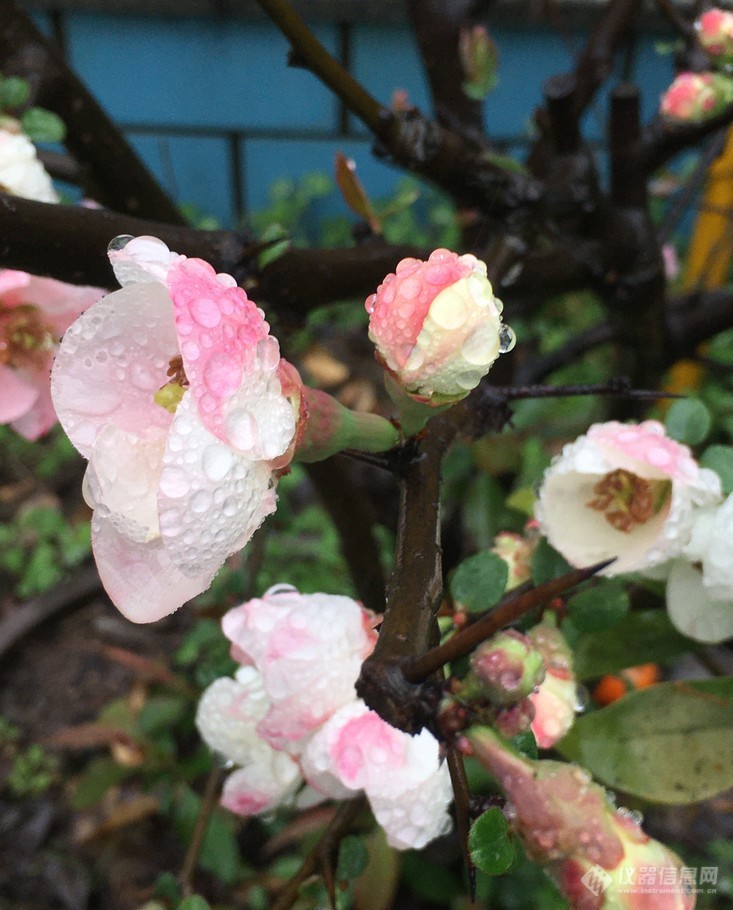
(491, 848)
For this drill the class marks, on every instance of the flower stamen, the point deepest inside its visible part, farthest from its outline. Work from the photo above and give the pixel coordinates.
(25, 340)
(628, 500)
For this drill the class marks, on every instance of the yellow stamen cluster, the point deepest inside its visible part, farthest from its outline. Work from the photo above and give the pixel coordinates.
(169, 396)
(628, 500)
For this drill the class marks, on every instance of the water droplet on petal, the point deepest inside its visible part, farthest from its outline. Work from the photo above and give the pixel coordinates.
(119, 243)
(507, 339)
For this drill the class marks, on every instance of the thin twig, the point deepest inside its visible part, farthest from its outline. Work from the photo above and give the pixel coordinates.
(507, 611)
(208, 804)
(323, 851)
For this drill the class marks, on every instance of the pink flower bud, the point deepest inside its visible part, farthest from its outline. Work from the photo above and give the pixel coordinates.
(507, 667)
(715, 31)
(556, 699)
(437, 326)
(693, 97)
(516, 551)
(479, 59)
(598, 855)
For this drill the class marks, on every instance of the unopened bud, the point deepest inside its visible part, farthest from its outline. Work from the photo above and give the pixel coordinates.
(694, 97)
(715, 32)
(507, 667)
(556, 699)
(479, 60)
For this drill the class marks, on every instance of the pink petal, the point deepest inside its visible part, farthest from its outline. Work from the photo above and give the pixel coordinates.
(41, 417)
(60, 303)
(262, 785)
(140, 578)
(18, 394)
(111, 363)
(218, 329)
(211, 499)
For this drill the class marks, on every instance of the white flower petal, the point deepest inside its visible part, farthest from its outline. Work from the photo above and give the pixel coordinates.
(691, 609)
(211, 499)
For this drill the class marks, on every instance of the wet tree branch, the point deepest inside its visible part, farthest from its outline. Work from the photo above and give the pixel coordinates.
(118, 177)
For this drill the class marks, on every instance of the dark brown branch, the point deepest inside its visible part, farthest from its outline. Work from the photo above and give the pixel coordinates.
(70, 242)
(596, 61)
(354, 519)
(437, 26)
(535, 369)
(509, 610)
(466, 170)
(208, 804)
(695, 317)
(663, 138)
(116, 171)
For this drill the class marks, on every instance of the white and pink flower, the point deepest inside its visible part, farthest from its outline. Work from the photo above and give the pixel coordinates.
(34, 314)
(309, 649)
(624, 492)
(437, 326)
(294, 706)
(171, 388)
(21, 173)
(408, 788)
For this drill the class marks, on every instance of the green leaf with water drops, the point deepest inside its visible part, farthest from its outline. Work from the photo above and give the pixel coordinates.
(479, 581)
(688, 421)
(670, 743)
(492, 851)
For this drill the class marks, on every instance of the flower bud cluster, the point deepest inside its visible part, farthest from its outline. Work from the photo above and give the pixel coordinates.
(291, 720)
(694, 97)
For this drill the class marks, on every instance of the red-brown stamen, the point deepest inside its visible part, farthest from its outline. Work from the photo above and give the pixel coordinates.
(176, 372)
(626, 499)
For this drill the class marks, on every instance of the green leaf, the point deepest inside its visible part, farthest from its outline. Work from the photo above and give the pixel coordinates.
(547, 563)
(353, 858)
(491, 849)
(42, 125)
(99, 775)
(720, 459)
(161, 713)
(14, 92)
(599, 607)
(644, 636)
(688, 421)
(670, 743)
(479, 581)
(194, 902)
(525, 743)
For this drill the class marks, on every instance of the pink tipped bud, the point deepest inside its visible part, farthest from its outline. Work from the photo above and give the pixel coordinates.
(516, 551)
(437, 326)
(555, 701)
(694, 97)
(479, 60)
(598, 855)
(507, 667)
(715, 31)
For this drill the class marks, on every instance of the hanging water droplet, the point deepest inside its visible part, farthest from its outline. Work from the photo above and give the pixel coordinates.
(582, 699)
(119, 243)
(507, 339)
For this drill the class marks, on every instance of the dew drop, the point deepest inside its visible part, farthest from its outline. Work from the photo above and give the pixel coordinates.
(119, 243)
(205, 312)
(201, 501)
(507, 339)
(369, 303)
(216, 461)
(582, 699)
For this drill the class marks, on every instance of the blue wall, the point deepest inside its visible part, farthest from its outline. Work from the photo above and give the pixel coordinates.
(217, 115)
